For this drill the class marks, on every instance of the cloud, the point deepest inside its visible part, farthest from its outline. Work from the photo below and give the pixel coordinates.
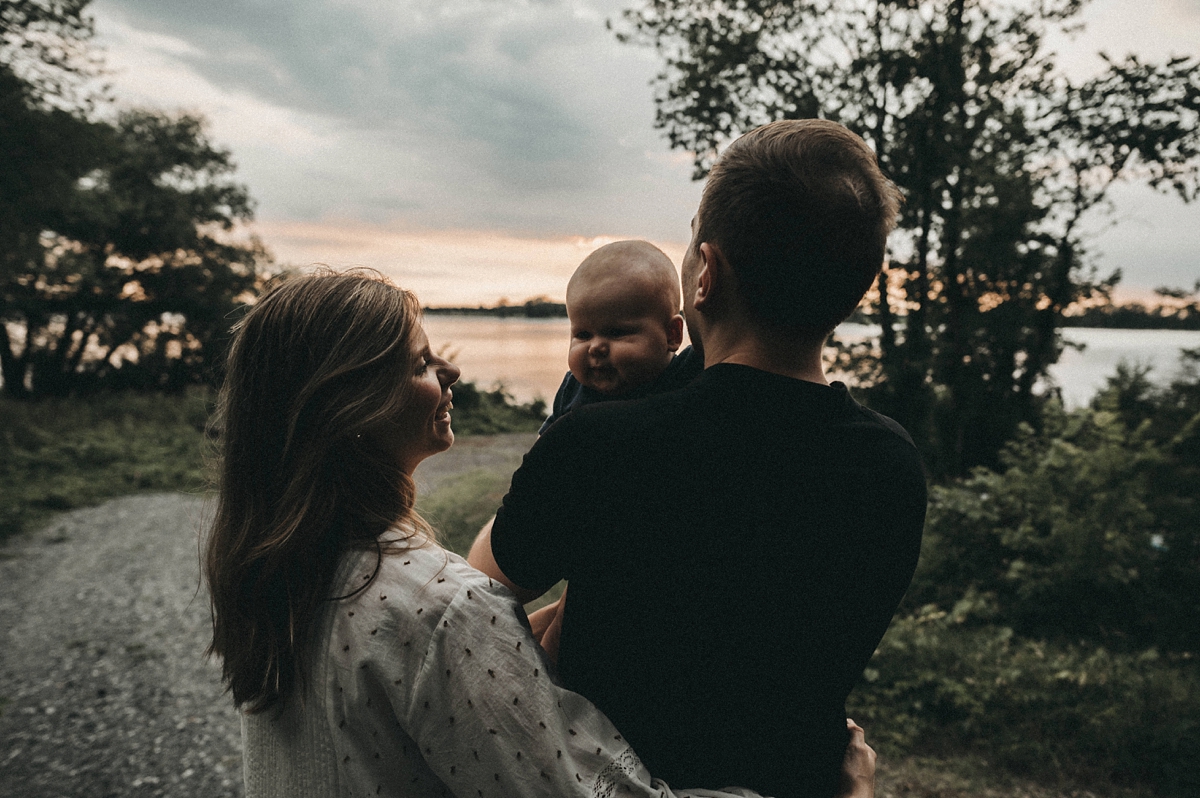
(1151, 238)
(1155, 31)
(524, 116)
(443, 112)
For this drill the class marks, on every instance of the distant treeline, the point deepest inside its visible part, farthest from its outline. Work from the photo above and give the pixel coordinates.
(538, 308)
(1136, 316)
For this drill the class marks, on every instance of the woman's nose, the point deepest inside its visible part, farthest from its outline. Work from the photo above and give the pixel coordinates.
(449, 374)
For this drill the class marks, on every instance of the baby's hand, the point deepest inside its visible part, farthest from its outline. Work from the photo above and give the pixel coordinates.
(546, 624)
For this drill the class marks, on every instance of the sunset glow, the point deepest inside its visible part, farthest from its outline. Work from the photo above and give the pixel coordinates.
(444, 267)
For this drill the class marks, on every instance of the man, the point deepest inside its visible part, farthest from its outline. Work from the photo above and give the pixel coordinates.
(735, 549)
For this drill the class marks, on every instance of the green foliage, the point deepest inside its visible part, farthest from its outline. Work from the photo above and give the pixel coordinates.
(1091, 529)
(62, 453)
(492, 412)
(1051, 625)
(43, 43)
(1061, 542)
(939, 685)
(999, 156)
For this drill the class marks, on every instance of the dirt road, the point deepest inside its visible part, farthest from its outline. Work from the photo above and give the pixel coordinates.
(104, 689)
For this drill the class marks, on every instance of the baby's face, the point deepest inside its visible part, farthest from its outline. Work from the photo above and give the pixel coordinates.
(618, 345)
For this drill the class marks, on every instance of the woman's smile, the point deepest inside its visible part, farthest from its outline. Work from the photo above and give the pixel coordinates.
(424, 423)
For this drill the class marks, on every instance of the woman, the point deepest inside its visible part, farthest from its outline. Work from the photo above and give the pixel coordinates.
(366, 659)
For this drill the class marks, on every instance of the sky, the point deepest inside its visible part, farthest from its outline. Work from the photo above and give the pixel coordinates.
(479, 149)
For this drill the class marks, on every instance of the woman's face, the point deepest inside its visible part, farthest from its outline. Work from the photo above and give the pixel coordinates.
(422, 427)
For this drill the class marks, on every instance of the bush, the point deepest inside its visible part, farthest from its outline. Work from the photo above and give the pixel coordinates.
(478, 412)
(1092, 528)
(1060, 543)
(1051, 625)
(940, 686)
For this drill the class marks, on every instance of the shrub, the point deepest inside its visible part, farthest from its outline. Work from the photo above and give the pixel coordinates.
(478, 412)
(1089, 531)
(940, 686)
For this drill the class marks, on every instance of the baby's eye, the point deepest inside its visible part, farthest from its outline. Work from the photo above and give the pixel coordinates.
(619, 332)
(582, 335)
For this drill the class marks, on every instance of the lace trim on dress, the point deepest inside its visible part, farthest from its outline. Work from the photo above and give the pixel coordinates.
(617, 772)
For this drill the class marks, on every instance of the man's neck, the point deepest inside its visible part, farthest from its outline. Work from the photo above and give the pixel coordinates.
(799, 360)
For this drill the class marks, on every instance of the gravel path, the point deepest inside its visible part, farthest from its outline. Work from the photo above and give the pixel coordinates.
(104, 689)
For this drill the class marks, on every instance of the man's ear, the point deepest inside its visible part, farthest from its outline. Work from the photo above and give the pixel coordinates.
(710, 283)
(675, 332)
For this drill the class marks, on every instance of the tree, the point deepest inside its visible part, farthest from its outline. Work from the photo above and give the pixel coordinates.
(44, 44)
(999, 156)
(116, 268)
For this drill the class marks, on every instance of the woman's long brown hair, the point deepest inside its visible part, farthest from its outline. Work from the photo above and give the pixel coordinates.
(318, 364)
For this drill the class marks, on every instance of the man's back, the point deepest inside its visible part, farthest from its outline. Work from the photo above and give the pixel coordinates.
(735, 551)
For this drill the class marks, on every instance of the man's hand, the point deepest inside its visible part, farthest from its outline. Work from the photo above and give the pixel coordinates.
(481, 559)
(858, 765)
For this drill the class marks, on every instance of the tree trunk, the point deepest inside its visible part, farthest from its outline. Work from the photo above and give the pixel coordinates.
(11, 366)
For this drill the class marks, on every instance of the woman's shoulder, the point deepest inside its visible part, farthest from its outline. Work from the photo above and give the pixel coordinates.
(404, 589)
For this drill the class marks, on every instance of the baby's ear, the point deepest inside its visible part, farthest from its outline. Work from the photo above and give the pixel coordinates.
(675, 332)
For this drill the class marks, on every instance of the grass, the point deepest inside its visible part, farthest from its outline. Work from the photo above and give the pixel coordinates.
(58, 454)
(462, 504)
(971, 776)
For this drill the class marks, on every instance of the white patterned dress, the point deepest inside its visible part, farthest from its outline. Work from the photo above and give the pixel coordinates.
(429, 683)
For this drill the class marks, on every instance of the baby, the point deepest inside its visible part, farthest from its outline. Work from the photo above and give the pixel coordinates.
(623, 302)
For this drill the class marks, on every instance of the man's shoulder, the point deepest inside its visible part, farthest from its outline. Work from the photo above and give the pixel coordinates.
(885, 424)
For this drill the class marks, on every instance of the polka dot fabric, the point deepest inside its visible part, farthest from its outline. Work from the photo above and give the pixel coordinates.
(430, 684)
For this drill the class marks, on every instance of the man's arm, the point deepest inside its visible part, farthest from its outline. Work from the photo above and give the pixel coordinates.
(481, 559)
(532, 542)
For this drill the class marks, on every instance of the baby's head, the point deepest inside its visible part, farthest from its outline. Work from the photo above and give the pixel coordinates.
(623, 302)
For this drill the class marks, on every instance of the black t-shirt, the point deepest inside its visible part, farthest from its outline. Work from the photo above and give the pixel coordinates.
(735, 551)
(683, 368)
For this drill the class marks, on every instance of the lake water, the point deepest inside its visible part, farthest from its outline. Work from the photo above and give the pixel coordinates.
(529, 356)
